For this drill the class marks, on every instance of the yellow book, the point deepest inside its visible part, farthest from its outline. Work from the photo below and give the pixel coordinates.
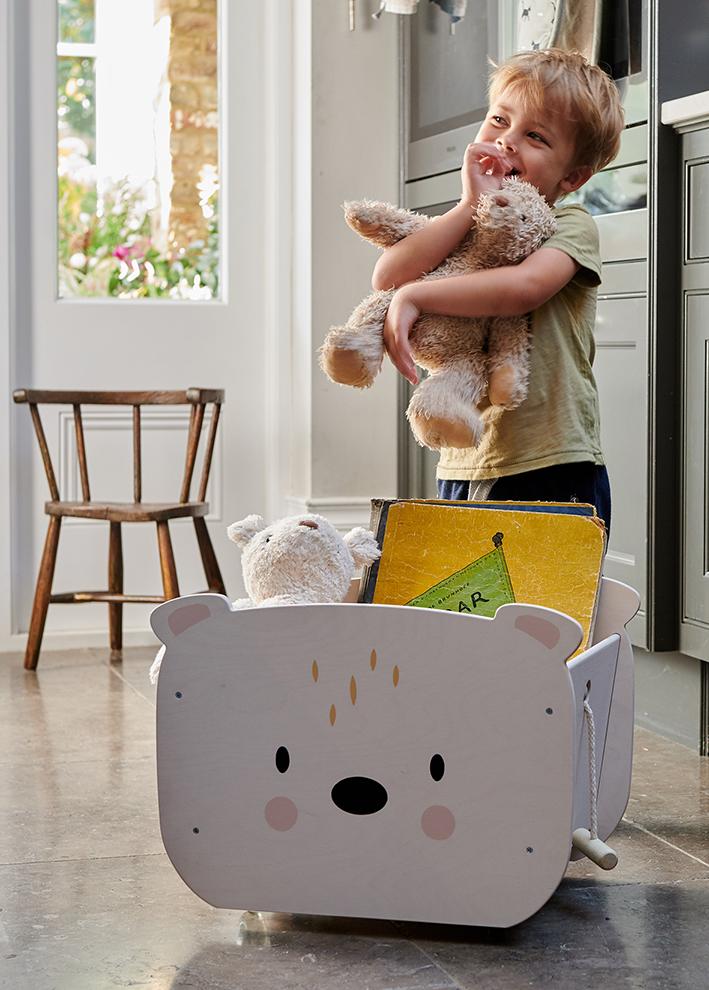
(471, 560)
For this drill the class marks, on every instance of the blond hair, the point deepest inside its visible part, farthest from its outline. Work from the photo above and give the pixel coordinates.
(567, 83)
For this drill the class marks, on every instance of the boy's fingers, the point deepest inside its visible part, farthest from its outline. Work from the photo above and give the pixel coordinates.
(401, 358)
(405, 363)
(488, 155)
(494, 164)
(486, 148)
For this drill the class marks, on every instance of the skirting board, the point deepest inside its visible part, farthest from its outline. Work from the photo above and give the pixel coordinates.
(75, 639)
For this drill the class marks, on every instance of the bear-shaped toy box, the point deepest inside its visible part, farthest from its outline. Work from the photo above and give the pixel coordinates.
(384, 761)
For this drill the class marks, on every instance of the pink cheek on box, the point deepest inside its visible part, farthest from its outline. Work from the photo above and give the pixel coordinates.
(281, 813)
(438, 822)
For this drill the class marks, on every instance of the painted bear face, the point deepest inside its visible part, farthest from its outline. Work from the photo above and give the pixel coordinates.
(377, 761)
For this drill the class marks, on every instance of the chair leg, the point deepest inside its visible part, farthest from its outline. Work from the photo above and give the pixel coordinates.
(42, 593)
(209, 558)
(167, 562)
(115, 584)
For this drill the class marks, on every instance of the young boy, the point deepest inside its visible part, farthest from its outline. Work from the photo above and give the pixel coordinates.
(554, 120)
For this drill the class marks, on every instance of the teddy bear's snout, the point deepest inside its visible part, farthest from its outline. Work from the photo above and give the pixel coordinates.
(309, 523)
(502, 201)
(359, 795)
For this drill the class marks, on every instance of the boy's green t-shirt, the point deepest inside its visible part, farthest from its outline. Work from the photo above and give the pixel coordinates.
(558, 423)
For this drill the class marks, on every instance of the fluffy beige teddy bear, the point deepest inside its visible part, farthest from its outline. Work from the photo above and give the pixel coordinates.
(299, 560)
(465, 357)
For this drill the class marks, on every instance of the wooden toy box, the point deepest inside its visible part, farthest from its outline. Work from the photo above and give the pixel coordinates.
(384, 761)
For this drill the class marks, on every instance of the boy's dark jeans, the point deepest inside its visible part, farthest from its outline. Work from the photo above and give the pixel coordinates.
(582, 482)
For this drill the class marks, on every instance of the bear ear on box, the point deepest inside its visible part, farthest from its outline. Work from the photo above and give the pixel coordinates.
(173, 618)
(553, 630)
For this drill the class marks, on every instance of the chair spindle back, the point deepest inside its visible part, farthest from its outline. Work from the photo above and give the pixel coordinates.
(197, 398)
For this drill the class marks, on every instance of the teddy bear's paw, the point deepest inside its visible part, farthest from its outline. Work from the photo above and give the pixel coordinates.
(382, 223)
(154, 672)
(347, 360)
(436, 432)
(443, 411)
(507, 387)
(347, 368)
(459, 427)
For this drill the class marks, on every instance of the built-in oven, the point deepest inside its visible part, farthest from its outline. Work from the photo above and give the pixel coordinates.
(445, 72)
(445, 82)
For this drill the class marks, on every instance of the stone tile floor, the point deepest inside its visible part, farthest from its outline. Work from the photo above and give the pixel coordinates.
(88, 899)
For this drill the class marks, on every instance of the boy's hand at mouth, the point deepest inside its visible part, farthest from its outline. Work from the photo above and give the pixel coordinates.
(484, 168)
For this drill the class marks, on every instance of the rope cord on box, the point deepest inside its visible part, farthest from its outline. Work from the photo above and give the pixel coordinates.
(592, 778)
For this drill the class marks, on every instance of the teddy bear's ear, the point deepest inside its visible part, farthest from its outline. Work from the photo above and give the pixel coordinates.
(362, 545)
(245, 529)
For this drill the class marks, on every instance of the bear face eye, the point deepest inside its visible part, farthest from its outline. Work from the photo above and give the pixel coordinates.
(282, 759)
(437, 766)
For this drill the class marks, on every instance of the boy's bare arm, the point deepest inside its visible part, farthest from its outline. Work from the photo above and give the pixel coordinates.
(483, 169)
(424, 250)
(509, 291)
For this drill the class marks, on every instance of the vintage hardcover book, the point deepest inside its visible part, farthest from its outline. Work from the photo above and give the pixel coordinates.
(474, 557)
(380, 511)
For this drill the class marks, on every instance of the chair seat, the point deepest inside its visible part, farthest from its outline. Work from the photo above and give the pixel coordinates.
(128, 511)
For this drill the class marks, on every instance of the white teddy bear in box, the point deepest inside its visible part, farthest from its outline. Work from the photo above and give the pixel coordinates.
(299, 560)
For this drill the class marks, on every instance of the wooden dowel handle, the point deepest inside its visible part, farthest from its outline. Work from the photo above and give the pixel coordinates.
(596, 850)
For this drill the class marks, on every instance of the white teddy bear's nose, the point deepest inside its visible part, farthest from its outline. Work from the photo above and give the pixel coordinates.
(309, 523)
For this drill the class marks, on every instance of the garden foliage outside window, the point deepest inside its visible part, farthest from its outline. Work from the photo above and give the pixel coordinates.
(138, 165)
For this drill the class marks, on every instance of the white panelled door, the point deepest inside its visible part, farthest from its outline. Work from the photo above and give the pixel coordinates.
(140, 267)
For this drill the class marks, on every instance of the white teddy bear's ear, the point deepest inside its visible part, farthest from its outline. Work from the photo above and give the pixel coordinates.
(245, 529)
(362, 546)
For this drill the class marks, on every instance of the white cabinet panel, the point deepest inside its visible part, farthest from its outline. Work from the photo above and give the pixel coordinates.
(698, 227)
(621, 374)
(694, 616)
(695, 583)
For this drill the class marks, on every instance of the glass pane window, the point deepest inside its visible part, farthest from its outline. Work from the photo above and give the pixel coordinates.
(137, 143)
(613, 190)
(76, 21)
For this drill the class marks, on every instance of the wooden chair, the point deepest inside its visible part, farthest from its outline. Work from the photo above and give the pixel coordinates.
(117, 513)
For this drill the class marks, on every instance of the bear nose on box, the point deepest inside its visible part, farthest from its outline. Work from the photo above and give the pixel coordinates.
(359, 795)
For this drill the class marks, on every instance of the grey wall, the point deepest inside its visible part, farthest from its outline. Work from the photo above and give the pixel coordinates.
(667, 695)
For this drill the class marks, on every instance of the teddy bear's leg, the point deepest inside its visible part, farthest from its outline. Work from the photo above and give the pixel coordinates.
(352, 355)
(508, 361)
(443, 410)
